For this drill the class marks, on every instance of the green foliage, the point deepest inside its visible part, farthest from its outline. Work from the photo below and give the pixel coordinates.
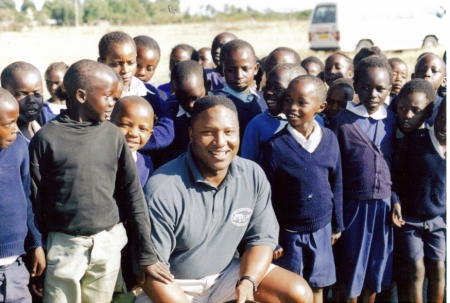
(7, 4)
(61, 10)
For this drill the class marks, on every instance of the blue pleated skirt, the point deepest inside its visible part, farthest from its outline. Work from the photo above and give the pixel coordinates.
(364, 252)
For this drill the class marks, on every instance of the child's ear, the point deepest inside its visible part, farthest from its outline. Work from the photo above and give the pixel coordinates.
(80, 95)
(444, 82)
(207, 86)
(322, 107)
(350, 74)
(256, 68)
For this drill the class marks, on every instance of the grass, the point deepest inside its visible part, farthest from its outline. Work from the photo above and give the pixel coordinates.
(43, 45)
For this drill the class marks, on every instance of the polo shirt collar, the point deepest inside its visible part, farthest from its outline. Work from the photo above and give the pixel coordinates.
(361, 111)
(234, 171)
(182, 112)
(241, 95)
(137, 88)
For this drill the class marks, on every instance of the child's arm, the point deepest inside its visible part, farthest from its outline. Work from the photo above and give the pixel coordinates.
(163, 129)
(335, 179)
(250, 148)
(133, 205)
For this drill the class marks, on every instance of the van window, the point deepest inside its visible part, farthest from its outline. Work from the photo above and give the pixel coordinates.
(325, 14)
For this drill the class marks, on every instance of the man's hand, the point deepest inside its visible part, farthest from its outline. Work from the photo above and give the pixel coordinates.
(244, 291)
(335, 237)
(39, 263)
(156, 271)
(278, 253)
(397, 215)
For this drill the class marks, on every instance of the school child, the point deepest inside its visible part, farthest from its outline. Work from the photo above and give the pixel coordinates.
(368, 52)
(16, 212)
(189, 84)
(79, 163)
(433, 69)
(180, 52)
(339, 94)
(337, 65)
(205, 58)
(281, 55)
(313, 66)
(366, 136)
(421, 187)
(134, 117)
(400, 71)
(265, 125)
(53, 80)
(118, 51)
(240, 67)
(147, 60)
(23, 80)
(303, 165)
(216, 75)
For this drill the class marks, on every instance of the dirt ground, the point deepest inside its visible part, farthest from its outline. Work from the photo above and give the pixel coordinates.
(43, 45)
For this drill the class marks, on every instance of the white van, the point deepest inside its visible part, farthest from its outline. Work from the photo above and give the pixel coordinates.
(349, 25)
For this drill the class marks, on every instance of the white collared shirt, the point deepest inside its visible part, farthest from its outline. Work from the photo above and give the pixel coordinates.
(361, 111)
(134, 154)
(8, 260)
(241, 96)
(312, 142)
(137, 88)
(436, 144)
(182, 112)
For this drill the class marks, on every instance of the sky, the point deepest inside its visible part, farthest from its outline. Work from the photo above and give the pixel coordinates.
(195, 6)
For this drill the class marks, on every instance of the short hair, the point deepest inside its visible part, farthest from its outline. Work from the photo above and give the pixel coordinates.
(148, 42)
(372, 62)
(8, 73)
(368, 52)
(208, 102)
(58, 66)
(347, 81)
(6, 98)
(82, 74)
(321, 88)
(294, 68)
(207, 49)
(193, 54)
(347, 58)
(235, 45)
(423, 55)
(185, 69)
(111, 38)
(136, 100)
(288, 50)
(347, 87)
(226, 34)
(312, 59)
(418, 85)
(431, 54)
(396, 60)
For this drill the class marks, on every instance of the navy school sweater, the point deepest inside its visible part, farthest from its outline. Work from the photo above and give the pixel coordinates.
(420, 177)
(306, 187)
(16, 212)
(365, 166)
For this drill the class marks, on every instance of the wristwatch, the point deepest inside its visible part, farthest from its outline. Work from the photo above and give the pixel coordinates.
(247, 278)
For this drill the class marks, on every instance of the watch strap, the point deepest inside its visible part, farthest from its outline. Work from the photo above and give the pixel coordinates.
(249, 279)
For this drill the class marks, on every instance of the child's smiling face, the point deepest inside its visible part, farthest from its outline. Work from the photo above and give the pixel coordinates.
(412, 111)
(373, 88)
(239, 69)
(276, 85)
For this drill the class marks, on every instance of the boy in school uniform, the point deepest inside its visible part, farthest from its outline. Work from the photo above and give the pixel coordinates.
(216, 75)
(313, 66)
(339, 94)
(303, 165)
(189, 83)
(118, 51)
(337, 65)
(265, 125)
(240, 67)
(16, 212)
(79, 164)
(205, 58)
(281, 55)
(23, 80)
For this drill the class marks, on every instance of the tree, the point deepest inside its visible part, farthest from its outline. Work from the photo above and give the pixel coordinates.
(28, 4)
(61, 10)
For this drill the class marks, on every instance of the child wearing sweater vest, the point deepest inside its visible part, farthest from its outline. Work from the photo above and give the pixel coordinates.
(303, 165)
(366, 136)
(16, 212)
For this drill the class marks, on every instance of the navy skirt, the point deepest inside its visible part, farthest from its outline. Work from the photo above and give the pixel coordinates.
(364, 252)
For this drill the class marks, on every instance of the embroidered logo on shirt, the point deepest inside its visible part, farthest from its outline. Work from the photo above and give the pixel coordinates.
(241, 216)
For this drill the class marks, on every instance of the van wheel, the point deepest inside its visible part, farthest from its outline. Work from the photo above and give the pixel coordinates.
(429, 42)
(363, 43)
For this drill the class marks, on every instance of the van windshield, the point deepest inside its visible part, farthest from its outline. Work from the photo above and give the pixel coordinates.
(324, 14)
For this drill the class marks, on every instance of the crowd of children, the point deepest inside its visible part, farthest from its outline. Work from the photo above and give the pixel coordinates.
(355, 155)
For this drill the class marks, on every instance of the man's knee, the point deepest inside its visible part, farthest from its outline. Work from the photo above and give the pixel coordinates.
(299, 291)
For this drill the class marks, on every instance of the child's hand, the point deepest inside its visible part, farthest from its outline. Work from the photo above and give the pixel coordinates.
(37, 285)
(397, 215)
(278, 253)
(335, 237)
(156, 271)
(38, 260)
